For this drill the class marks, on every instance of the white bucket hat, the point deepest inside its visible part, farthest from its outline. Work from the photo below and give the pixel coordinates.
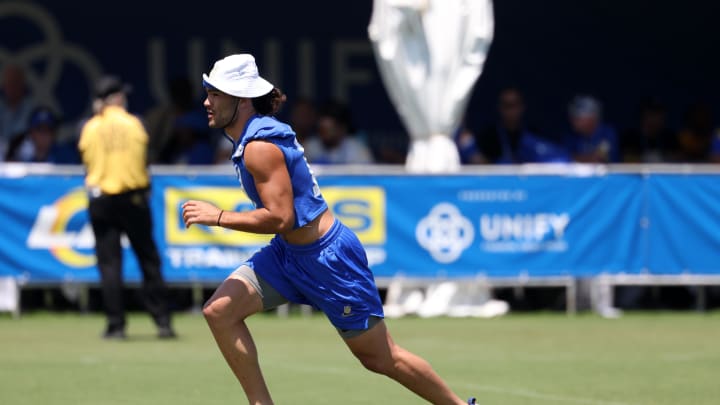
(237, 75)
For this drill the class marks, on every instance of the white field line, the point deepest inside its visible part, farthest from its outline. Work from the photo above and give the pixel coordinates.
(517, 392)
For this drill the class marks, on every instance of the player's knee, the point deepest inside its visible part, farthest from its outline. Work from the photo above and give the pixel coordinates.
(216, 312)
(230, 304)
(211, 311)
(384, 365)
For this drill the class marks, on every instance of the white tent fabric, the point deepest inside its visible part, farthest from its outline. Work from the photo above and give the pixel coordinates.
(9, 295)
(455, 299)
(430, 54)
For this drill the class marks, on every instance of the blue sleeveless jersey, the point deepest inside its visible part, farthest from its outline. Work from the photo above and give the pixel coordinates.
(308, 201)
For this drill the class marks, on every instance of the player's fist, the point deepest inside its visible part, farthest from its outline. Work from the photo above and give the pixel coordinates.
(200, 212)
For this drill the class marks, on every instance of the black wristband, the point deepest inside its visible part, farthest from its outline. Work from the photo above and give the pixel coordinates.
(219, 216)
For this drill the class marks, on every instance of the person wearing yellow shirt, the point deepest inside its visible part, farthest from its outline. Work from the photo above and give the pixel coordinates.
(113, 146)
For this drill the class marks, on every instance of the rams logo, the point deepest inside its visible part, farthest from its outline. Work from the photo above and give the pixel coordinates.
(63, 228)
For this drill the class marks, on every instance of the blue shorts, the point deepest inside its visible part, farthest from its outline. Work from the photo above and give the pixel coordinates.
(331, 274)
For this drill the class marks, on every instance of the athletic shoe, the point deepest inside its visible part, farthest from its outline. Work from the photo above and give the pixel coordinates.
(472, 401)
(114, 334)
(166, 332)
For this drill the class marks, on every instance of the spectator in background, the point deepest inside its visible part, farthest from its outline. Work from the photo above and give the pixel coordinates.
(651, 141)
(16, 105)
(189, 142)
(161, 120)
(303, 119)
(336, 142)
(38, 144)
(590, 140)
(510, 141)
(696, 137)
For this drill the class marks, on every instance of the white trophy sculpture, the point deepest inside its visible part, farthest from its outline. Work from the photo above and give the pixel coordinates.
(430, 54)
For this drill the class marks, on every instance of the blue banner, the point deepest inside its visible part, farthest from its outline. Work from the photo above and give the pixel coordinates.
(418, 226)
(683, 224)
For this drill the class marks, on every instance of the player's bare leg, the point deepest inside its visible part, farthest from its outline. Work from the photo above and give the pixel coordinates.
(225, 313)
(377, 352)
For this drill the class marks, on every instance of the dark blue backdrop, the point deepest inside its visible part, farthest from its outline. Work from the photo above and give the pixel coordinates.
(620, 51)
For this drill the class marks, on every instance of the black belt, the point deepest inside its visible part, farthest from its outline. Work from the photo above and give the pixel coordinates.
(95, 192)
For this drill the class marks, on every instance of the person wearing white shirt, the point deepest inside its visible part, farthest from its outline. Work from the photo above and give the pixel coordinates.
(335, 143)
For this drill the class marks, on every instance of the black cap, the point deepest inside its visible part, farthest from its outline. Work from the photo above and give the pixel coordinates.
(108, 85)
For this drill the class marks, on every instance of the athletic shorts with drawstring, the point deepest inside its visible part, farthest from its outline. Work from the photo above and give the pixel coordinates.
(330, 274)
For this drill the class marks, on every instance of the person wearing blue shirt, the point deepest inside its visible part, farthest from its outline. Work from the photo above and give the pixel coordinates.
(510, 141)
(336, 142)
(39, 144)
(313, 259)
(189, 142)
(651, 141)
(16, 106)
(590, 140)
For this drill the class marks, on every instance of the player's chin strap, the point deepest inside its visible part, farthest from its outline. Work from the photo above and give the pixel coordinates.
(232, 119)
(228, 137)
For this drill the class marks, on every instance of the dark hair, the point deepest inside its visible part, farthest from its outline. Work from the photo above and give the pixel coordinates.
(269, 104)
(339, 112)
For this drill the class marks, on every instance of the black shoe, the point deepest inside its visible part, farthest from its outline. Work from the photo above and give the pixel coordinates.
(166, 332)
(114, 334)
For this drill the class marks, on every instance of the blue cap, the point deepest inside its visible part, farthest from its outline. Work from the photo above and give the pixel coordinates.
(43, 116)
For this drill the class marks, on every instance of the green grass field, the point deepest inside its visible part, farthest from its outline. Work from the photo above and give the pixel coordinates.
(664, 358)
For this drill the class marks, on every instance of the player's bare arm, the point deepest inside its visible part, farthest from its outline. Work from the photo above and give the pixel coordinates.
(266, 163)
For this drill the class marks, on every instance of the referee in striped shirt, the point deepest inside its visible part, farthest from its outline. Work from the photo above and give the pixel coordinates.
(113, 146)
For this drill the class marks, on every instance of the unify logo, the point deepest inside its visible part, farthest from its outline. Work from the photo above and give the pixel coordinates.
(542, 231)
(445, 233)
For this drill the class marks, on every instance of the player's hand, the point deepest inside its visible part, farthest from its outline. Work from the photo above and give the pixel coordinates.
(200, 212)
